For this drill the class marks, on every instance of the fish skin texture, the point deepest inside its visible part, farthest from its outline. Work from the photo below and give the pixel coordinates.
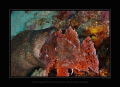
(25, 49)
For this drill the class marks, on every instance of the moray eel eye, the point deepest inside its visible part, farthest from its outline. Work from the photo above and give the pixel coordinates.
(46, 33)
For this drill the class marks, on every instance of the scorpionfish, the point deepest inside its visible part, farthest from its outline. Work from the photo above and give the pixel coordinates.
(63, 52)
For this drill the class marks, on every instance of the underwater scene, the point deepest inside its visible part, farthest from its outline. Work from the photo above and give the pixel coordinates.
(60, 43)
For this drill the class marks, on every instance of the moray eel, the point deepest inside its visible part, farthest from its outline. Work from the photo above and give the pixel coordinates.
(25, 50)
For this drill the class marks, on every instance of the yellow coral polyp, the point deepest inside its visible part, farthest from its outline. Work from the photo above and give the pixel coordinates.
(96, 30)
(93, 31)
(94, 38)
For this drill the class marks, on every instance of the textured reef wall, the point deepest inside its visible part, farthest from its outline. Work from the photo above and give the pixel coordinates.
(30, 20)
(92, 24)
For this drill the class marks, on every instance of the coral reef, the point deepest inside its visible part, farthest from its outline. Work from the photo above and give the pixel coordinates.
(87, 23)
(74, 24)
(104, 54)
(92, 27)
(97, 31)
(104, 72)
(61, 19)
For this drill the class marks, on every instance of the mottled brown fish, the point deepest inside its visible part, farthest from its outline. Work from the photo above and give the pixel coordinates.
(64, 52)
(25, 49)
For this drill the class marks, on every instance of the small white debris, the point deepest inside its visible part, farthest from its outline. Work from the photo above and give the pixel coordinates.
(72, 72)
(46, 55)
(92, 53)
(55, 48)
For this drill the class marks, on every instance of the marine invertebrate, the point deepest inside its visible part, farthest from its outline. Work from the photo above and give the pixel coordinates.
(104, 72)
(63, 52)
(60, 20)
(74, 24)
(97, 31)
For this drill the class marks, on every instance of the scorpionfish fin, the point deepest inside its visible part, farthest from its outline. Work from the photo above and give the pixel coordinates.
(59, 34)
(82, 66)
(71, 35)
(62, 72)
(77, 72)
(89, 52)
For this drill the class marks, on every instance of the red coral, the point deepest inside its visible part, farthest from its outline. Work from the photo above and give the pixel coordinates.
(62, 52)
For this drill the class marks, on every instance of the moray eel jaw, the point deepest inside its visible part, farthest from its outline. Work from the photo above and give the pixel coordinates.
(25, 50)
